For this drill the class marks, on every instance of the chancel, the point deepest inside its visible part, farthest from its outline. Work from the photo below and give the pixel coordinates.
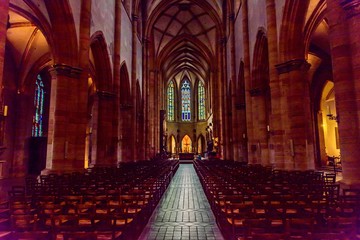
(179, 119)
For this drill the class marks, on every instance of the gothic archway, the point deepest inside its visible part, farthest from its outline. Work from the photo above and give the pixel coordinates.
(201, 145)
(125, 134)
(261, 99)
(186, 144)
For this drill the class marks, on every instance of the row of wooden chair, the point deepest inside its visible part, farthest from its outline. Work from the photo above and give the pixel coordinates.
(250, 201)
(87, 205)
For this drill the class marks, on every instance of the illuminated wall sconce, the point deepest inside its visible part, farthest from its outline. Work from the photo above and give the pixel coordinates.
(4, 110)
(331, 116)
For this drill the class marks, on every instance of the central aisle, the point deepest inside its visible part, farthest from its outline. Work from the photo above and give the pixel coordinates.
(183, 212)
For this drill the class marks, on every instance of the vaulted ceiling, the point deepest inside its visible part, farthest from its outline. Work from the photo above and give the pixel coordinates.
(195, 23)
(26, 44)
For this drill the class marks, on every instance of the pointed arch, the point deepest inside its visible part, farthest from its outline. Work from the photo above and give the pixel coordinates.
(185, 87)
(172, 144)
(240, 96)
(201, 97)
(186, 144)
(100, 58)
(201, 144)
(260, 76)
(62, 21)
(171, 101)
(291, 43)
(125, 96)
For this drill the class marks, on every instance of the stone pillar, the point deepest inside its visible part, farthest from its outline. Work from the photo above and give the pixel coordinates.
(105, 144)
(23, 114)
(220, 96)
(84, 47)
(293, 73)
(134, 124)
(249, 112)
(260, 136)
(235, 131)
(151, 114)
(157, 107)
(344, 17)
(276, 131)
(4, 20)
(67, 120)
(146, 90)
(116, 74)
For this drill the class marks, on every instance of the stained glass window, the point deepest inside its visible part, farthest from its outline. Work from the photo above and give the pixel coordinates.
(186, 100)
(37, 126)
(170, 102)
(201, 101)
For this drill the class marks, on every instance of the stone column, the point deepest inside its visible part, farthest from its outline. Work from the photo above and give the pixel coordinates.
(105, 144)
(134, 124)
(22, 116)
(67, 120)
(344, 35)
(249, 112)
(260, 136)
(157, 107)
(4, 20)
(146, 89)
(116, 74)
(276, 131)
(234, 132)
(299, 140)
(151, 114)
(220, 123)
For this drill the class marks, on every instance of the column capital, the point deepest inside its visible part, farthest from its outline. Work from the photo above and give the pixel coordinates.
(292, 65)
(68, 71)
(351, 7)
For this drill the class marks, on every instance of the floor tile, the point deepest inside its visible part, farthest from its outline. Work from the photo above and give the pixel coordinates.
(184, 211)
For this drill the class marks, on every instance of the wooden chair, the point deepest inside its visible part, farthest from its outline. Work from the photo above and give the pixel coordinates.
(23, 222)
(32, 235)
(269, 236)
(327, 236)
(80, 236)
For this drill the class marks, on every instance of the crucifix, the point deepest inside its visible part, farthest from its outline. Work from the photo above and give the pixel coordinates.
(186, 149)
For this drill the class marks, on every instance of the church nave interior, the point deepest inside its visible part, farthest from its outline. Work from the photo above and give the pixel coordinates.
(111, 97)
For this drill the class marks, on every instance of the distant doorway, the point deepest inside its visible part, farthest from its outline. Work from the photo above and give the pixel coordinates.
(172, 145)
(186, 144)
(201, 144)
(328, 127)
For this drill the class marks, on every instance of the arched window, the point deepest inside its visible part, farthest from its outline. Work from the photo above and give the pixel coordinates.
(170, 102)
(201, 101)
(37, 126)
(185, 100)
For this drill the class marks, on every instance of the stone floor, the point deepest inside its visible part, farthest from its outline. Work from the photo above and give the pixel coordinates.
(183, 212)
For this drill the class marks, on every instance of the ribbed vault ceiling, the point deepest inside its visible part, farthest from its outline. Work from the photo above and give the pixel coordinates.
(192, 22)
